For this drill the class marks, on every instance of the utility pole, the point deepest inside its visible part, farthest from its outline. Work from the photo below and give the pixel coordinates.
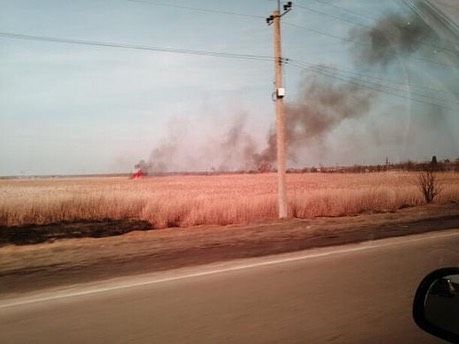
(275, 19)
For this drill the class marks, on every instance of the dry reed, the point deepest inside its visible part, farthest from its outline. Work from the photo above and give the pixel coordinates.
(223, 199)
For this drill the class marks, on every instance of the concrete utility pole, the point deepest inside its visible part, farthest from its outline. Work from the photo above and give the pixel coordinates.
(275, 19)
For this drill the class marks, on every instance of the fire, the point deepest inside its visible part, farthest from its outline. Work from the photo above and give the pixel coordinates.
(138, 174)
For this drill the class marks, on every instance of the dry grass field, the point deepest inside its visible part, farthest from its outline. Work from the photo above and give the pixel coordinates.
(219, 200)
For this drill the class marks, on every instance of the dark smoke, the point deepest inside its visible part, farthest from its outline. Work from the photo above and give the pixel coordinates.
(237, 145)
(321, 107)
(393, 35)
(394, 38)
(160, 156)
(229, 150)
(323, 104)
(142, 166)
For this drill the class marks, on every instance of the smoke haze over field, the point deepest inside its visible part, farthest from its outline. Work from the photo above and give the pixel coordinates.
(83, 109)
(328, 101)
(319, 109)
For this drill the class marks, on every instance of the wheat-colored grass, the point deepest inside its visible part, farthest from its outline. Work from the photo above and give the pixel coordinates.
(221, 199)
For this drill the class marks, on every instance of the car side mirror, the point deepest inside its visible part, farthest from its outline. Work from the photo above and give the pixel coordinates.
(436, 304)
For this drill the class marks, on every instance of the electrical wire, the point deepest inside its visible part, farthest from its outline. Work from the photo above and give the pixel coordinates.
(339, 18)
(330, 15)
(292, 62)
(372, 84)
(366, 81)
(420, 90)
(197, 9)
(10, 35)
(362, 84)
(372, 19)
(345, 39)
(207, 10)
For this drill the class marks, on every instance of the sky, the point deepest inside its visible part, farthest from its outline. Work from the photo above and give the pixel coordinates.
(76, 109)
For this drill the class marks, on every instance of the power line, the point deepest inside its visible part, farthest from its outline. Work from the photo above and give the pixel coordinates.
(373, 19)
(196, 9)
(367, 82)
(11, 35)
(339, 18)
(330, 15)
(415, 89)
(378, 89)
(345, 39)
(422, 91)
(348, 11)
(438, 99)
(296, 63)
(206, 10)
(363, 84)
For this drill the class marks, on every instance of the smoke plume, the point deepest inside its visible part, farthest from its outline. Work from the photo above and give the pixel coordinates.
(323, 104)
(237, 146)
(321, 107)
(393, 35)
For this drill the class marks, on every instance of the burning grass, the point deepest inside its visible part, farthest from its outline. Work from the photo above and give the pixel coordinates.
(182, 201)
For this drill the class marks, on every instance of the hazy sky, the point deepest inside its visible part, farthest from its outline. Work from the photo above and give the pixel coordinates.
(68, 109)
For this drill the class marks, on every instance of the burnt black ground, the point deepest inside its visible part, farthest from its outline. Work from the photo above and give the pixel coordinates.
(34, 234)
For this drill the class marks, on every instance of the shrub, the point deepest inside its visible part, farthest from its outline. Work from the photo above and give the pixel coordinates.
(428, 185)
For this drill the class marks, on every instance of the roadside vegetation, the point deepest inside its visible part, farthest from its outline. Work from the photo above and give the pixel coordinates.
(182, 201)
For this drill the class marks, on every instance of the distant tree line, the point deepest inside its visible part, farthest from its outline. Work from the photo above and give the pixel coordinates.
(434, 165)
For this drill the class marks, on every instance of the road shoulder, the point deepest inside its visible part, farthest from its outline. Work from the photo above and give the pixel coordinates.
(65, 262)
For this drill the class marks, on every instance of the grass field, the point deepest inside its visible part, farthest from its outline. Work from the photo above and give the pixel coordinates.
(221, 199)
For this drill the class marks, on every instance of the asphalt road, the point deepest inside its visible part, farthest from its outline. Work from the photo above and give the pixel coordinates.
(349, 294)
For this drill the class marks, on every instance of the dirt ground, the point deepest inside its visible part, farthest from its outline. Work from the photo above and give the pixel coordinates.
(68, 261)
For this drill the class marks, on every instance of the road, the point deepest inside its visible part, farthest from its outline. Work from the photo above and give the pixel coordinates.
(357, 293)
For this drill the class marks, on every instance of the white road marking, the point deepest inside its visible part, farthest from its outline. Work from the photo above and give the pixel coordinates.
(301, 255)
